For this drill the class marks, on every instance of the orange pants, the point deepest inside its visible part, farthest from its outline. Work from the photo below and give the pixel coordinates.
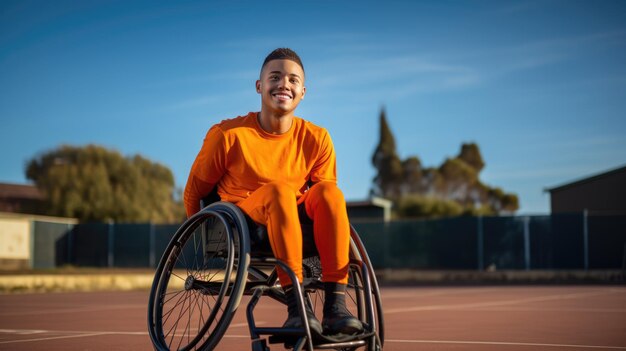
(275, 206)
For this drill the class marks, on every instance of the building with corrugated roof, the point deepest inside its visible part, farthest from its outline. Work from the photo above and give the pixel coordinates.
(372, 209)
(20, 198)
(603, 193)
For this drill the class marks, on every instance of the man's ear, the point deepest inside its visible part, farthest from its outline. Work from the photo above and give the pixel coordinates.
(303, 92)
(258, 86)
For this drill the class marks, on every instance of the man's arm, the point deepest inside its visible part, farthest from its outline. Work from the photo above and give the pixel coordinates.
(208, 168)
(195, 190)
(325, 169)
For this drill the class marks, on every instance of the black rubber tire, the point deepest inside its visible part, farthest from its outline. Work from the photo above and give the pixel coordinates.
(200, 280)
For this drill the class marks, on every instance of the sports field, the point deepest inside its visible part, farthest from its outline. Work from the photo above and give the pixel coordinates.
(417, 318)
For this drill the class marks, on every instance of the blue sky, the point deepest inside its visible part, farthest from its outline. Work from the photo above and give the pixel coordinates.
(539, 85)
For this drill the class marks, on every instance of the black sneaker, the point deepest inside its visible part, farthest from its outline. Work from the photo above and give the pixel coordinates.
(294, 321)
(338, 320)
(293, 315)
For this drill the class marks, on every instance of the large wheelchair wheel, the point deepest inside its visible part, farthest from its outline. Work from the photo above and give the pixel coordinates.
(200, 280)
(356, 299)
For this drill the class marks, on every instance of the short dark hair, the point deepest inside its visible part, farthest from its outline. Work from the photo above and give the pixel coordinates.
(283, 54)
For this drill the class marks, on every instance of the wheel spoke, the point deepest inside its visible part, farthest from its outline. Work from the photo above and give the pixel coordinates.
(174, 328)
(169, 313)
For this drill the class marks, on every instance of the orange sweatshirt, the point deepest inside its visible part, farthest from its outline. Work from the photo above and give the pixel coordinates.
(239, 156)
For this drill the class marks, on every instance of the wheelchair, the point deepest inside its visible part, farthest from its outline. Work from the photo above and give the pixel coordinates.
(218, 255)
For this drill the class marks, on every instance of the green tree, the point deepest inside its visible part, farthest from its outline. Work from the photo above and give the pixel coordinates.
(417, 206)
(470, 154)
(388, 180)
(412, 175)
(451, 189)
(459, 179)
(92, 183)
(499, 201)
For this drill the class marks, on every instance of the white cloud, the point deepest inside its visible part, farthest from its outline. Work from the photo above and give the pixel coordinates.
(391, 77)
(507, 60)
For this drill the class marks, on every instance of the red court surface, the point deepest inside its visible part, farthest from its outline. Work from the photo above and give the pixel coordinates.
(417, 318)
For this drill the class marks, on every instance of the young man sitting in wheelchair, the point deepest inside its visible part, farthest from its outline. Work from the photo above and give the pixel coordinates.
(264, 163)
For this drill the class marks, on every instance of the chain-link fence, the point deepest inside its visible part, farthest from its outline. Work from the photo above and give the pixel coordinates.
(563, 241)
(569, 241)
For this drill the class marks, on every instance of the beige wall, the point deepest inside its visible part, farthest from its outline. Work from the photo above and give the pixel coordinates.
(15, 238)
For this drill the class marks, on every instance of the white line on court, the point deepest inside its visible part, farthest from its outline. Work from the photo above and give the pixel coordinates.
(38, 331)
(51, 338)
(79, 334)
(62, 310)
(495, 303)
(412, 293)
(87, 333)
(22, 331)
(541, 309)
(243, 325)
(504, 343)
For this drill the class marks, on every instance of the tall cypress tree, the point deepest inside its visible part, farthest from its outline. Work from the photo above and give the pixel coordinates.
(387, 163)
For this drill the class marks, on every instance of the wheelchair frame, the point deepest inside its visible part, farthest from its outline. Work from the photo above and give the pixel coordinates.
(211, 262)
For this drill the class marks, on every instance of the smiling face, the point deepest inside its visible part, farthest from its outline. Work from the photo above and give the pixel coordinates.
(281, 86)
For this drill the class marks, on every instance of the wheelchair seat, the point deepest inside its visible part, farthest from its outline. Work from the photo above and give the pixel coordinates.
(260, 243)
(259, 237)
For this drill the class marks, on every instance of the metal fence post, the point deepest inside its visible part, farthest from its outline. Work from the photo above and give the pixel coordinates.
(152, 246)
(480, 244)
(527, 242)
(386, 245)
(70, 244)
(111, 240)
(31, 248)
(586, 238)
